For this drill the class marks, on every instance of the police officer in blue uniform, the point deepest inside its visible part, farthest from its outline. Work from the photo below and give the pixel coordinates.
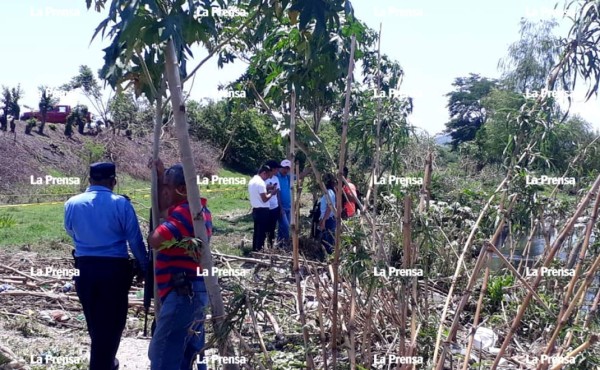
(101, 224)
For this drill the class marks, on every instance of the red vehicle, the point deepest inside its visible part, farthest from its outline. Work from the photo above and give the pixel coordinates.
(58, 114)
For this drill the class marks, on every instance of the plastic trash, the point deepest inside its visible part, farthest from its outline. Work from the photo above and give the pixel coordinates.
(67, 288)
(484, 338)
(54, 316)
(4, 287)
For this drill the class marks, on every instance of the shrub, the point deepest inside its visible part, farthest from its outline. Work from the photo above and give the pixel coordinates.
(69, 125)
(30, 125)
(94, 152)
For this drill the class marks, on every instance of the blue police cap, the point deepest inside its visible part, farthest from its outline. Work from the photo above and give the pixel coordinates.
(102, 171)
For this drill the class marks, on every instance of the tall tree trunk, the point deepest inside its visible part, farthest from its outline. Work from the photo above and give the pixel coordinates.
(158, 114)
(375, 168)
(4, 122)
(42, 124)
(338, 208)
(193, 194)
(80, 125)
(295, 241)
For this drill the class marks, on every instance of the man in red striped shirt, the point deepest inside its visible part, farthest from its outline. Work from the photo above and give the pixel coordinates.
(179, 334)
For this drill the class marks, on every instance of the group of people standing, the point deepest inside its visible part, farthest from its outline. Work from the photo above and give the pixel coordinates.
(270, 197)
(101, 225)
(270, 194)
(350, 205)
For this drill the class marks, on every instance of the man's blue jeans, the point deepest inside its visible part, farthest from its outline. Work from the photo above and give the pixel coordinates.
(283, 234)
(179, 334)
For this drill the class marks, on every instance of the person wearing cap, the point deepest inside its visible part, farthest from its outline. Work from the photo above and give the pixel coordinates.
(179, 333)
(260, 195)
(101, 225)
(285, 195)
(275, 210)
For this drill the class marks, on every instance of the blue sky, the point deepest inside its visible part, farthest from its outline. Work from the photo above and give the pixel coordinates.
(434, 41)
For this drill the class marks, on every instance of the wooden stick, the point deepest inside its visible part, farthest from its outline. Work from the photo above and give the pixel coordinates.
(592, 340)
(257, 331)
(19, 272)
(458, 268)
(567, 302)
(316, 281)
(554, 249)
(338, 207)
(521, 279)
(296, 245)
(476, 318)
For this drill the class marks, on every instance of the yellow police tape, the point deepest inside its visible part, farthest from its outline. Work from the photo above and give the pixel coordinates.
(29, 204)
(130, 196)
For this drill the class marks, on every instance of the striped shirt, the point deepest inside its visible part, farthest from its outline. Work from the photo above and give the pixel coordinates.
(174, 260)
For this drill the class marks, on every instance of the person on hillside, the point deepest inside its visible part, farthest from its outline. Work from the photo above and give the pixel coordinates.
(285, 192)
(327, 216)
(275, 209)
(350, 198)
(179, 333)
(101, 224)
(260, 195)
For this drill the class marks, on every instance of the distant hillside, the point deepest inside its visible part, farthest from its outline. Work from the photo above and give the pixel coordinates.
(54, 154)
(443, 139)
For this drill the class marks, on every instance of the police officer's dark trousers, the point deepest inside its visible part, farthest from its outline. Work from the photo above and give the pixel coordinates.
(102, 286)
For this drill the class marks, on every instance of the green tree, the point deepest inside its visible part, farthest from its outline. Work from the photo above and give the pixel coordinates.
(122, 109)
(494, 139)
(87, 83)
(142, 33)
(530, 59)
(10, 101)
(78, 117)
(244, 136)
(377, 100)
(6, 106)
(467, 113)
(47, 101)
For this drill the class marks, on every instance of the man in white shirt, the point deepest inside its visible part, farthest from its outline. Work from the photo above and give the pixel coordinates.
(260, 195)
(275, 210)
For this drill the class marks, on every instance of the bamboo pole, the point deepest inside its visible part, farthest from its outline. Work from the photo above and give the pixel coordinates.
(467, 245)
(590, 314)
(593, 339)
(590, 275)
(338, 208)
(554, 249)
(352, 325)
(406, 262)
(477, 313)
(563, 315)
(295, 241)
(316, 281)
(425, 189)
(375, 170)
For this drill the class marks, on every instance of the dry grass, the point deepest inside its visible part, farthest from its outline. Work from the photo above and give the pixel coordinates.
(52, 153)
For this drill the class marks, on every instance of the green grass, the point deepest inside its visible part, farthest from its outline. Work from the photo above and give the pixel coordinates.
(42, 224)
(33, 224)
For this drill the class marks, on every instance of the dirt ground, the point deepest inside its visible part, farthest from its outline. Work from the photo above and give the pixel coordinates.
(42, 316)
